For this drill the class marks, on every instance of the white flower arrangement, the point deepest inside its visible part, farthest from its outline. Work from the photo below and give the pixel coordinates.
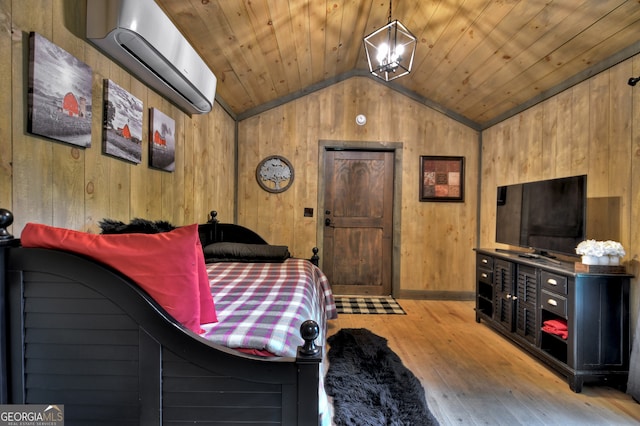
(613, 248)
(590, 248)
(600, 248)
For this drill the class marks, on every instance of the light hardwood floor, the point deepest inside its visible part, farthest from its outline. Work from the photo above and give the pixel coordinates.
(473, 376)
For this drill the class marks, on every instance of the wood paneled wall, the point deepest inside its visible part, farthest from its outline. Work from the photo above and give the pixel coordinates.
(592, 128)
(436, 239)
(63, 185)
(586, 129)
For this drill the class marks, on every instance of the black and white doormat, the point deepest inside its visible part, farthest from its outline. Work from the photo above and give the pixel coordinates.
(368, 305)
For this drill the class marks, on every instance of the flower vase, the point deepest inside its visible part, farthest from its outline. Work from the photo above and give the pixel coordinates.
(614, 260)
(590, 260)
(603, 260)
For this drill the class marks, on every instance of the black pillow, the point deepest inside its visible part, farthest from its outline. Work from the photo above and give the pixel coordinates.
(136, 226)
(240, 252)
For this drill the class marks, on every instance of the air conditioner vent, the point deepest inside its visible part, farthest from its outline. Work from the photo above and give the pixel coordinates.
(138, 35)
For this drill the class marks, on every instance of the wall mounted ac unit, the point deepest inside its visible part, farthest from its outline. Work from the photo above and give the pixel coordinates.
(140, 36)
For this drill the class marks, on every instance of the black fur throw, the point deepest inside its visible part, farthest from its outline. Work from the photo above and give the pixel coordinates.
(136, 226)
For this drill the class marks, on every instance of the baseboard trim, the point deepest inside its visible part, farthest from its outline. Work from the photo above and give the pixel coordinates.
(435, 295)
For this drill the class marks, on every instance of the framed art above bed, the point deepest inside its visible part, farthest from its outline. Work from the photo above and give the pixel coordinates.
(59, 95)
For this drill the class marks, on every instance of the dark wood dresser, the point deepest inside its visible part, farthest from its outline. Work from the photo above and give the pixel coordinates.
(518, 296)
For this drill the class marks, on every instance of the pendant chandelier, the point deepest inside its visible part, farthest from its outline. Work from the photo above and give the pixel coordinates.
(390, 50)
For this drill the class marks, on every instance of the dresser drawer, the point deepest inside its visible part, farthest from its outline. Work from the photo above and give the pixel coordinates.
(554, 282)
(485, 275)
(553, 302)
(484, 262)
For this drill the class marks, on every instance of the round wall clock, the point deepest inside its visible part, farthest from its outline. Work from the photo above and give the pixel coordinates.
(275, 174)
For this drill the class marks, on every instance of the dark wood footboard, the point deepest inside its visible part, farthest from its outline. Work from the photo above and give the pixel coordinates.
(79, 333)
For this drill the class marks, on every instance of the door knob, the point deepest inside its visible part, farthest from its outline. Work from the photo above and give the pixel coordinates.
(327, 222)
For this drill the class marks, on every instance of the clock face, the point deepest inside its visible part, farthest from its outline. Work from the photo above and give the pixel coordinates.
(275, 174)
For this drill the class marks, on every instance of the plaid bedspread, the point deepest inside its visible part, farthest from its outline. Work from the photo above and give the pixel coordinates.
(262, 305)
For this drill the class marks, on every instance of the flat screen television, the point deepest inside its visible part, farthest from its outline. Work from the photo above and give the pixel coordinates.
(546, 216)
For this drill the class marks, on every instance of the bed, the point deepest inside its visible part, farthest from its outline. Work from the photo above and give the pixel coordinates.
(80, 333)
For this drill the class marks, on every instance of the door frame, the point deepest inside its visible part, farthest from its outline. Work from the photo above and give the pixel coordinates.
(397, 149)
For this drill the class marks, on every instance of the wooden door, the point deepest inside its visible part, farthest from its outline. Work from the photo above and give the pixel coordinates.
(358, 221)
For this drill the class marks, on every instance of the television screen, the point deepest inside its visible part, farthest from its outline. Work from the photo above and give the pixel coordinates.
(547, 215)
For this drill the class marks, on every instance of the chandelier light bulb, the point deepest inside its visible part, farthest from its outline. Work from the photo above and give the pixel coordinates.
(383, 50)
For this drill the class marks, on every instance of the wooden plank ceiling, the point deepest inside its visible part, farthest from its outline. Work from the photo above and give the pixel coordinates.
(476, 58)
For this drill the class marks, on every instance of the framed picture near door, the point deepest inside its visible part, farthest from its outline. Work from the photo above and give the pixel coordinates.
(441, 178)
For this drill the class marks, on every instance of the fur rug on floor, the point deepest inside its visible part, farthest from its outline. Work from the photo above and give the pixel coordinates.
(369, 384)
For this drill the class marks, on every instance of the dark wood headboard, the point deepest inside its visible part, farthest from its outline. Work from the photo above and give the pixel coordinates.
(215, 232)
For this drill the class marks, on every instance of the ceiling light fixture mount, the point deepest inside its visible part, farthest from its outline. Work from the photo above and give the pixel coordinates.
(390, 50)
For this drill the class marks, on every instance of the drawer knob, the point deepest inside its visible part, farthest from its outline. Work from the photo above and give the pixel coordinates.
(552, 302)
(552, 281)
(485, 261)
(484, 275)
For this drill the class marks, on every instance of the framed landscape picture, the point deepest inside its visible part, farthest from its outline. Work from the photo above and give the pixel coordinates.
(162, 145)
(441, 178)
(122, 124)
(59, 95)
